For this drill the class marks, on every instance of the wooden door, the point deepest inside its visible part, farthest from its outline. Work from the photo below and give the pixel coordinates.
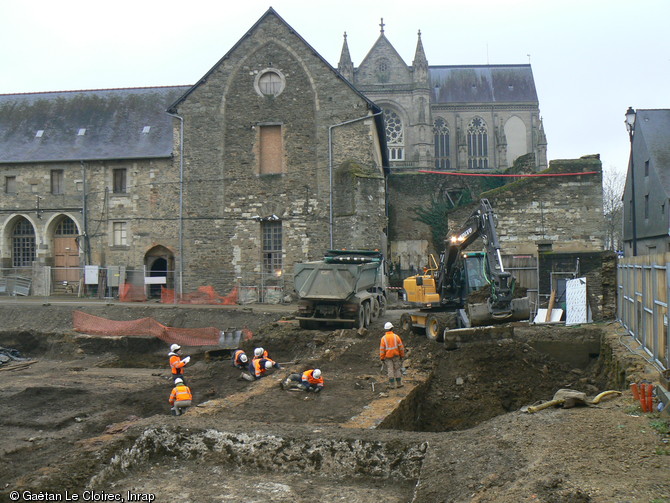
(66, 259)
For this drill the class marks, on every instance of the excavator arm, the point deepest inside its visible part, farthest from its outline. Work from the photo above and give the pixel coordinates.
(480, 224)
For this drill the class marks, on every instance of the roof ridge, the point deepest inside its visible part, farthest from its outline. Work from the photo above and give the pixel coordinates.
(93, 90)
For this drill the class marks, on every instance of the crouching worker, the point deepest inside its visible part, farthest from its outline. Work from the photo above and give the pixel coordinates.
(260, 366)
(180, 398)
(310, 380)
(240, 359)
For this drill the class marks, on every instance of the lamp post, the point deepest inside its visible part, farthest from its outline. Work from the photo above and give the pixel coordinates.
(630, 126)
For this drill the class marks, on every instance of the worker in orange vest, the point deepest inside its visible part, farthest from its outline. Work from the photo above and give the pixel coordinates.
(392, 352)
(240, 359)
(177, 364)
(180, 398)
(309, 380)
(260, 366)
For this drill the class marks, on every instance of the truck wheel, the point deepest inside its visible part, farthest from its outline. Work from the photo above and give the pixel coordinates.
(366, 308)
(406, 323)
(434, 328)
(382, 306)
(360, 317)
(375, 311)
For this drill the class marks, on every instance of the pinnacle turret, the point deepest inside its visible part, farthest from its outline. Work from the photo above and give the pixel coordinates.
(346, 66)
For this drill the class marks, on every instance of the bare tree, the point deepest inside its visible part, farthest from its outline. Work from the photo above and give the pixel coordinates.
(613, 185)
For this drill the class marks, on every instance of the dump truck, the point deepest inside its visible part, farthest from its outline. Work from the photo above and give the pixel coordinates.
(347, 287)
(442, 293)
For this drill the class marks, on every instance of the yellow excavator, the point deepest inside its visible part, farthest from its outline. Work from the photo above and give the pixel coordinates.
(441, 293)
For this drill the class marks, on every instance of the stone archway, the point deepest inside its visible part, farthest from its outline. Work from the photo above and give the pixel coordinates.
(159, 263)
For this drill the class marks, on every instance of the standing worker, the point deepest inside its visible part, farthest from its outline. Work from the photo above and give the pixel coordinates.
(180, 398)
(240, 359)
(176, 362)
(392, 351)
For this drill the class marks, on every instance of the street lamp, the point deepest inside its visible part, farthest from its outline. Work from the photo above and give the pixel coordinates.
(630, 126)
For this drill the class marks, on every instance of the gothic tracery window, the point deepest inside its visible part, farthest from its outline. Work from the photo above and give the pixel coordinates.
(478, 150)
(441, 137)
(394, 136)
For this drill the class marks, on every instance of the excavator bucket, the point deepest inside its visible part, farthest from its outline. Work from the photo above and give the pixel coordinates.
(481, 314)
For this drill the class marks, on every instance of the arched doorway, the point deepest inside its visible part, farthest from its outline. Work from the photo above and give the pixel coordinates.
(159, 262)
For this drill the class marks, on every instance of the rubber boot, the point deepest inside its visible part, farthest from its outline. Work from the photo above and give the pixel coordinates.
(398, 382)
(391, 383)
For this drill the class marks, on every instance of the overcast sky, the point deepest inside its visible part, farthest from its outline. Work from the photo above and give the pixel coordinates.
(591, 58)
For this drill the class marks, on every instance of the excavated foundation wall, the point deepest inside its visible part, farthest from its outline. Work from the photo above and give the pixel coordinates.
(343, 458)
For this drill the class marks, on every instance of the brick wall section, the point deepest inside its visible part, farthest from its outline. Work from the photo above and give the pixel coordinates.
(224, 193)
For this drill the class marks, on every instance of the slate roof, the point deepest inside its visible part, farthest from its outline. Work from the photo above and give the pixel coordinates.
(652, 126)
(114, 120)
(482, 84)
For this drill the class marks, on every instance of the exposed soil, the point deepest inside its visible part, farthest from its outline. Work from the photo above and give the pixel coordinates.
(92, 413)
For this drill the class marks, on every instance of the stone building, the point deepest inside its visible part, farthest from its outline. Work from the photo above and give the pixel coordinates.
(646, 194)
(450, 117)
(269, 159)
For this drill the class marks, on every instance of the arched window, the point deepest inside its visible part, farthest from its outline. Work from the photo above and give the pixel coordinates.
(23, 244)
(441, 135)
(478, 140)
(394, 136)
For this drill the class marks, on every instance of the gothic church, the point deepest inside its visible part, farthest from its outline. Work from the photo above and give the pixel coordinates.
(451, 118)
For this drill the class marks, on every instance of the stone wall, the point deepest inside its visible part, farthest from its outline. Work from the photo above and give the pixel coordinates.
(226, 196)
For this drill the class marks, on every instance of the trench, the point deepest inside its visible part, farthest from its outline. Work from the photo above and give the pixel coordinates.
(464, 388)
(278, 467)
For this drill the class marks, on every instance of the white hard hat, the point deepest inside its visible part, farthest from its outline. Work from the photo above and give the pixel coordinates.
(388, 325)
(258, 352)
(316, 373)
(179, 380)
(268, 364)
(243, 358)
(175, 347)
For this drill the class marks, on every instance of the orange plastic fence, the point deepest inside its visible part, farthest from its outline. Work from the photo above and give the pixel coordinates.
(131, 293)
(204, 295)
(94, 325)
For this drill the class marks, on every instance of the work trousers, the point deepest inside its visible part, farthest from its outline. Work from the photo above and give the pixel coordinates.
(180, 407)
(394, 367)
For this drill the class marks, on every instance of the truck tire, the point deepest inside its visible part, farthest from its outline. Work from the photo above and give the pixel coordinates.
(382, 305)
(360, 318)
(434, 328)
(375, 311)
(406, 323)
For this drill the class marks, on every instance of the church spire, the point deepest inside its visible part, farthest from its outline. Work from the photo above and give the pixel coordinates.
(420, 63)
(346, 66)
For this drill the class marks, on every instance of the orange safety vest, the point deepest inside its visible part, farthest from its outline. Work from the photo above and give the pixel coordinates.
(309, 377)
(236, 357)
(179, 393)
(176, 364)
(391, 346)
(259, 366)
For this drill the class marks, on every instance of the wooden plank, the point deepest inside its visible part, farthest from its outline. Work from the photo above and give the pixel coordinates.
(552, 300)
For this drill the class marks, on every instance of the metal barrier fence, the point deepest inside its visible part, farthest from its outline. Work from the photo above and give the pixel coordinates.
(643, 284)
(137, 285)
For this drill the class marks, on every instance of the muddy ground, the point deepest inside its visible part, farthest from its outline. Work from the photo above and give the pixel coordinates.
(91, 414)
